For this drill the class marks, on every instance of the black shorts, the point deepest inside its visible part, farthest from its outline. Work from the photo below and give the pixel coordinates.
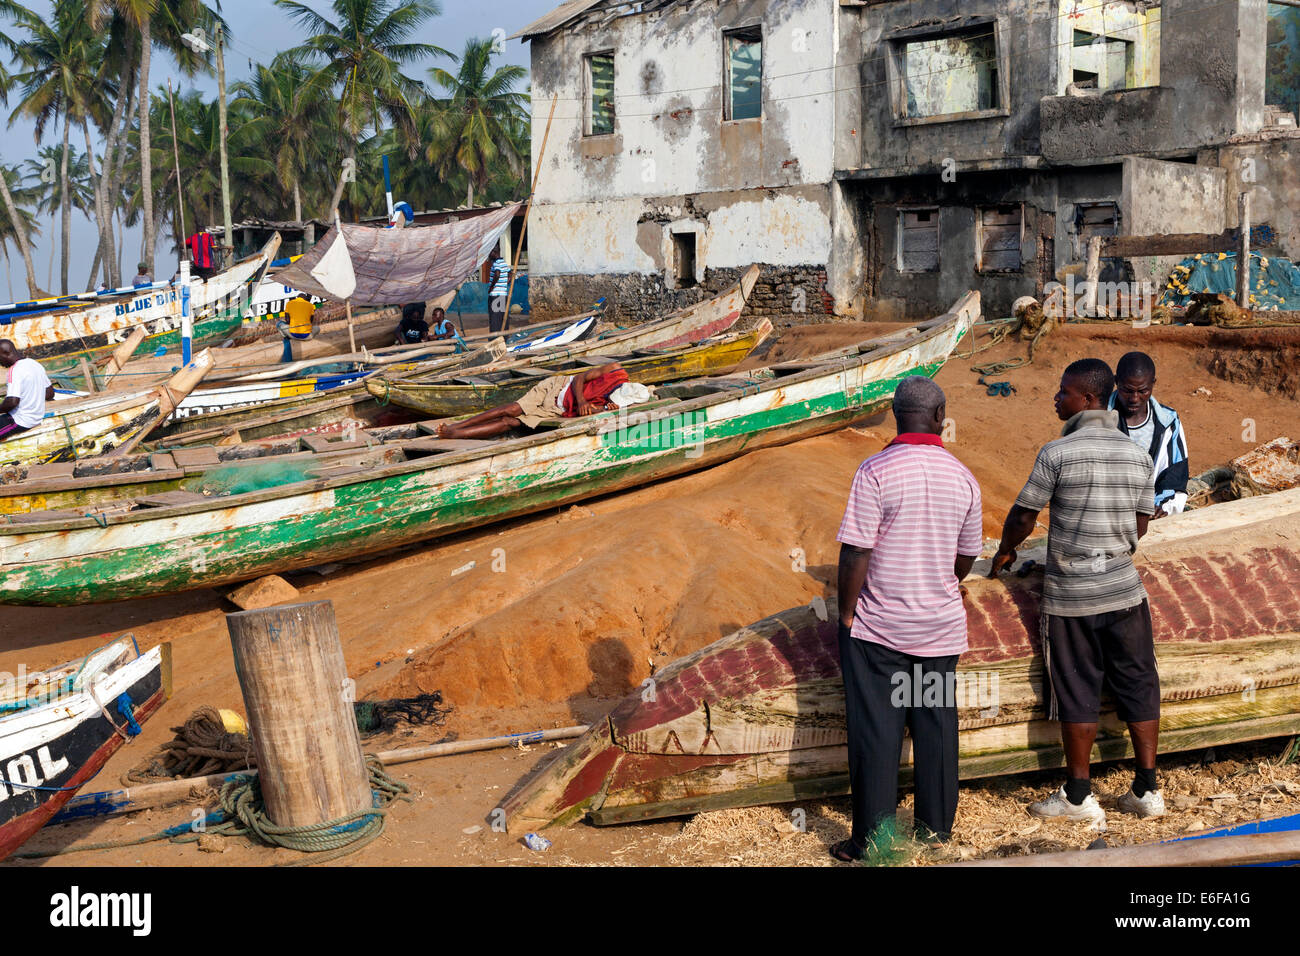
(8, 427)
(1115, 648)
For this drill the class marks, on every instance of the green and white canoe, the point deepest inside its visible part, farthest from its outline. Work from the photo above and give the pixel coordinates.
(184, 542)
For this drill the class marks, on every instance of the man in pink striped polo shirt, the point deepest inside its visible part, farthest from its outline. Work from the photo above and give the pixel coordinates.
(911, 532)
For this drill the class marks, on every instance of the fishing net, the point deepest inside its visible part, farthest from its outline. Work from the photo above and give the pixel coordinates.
(381, 716)
(1274, 282)
(239, 479)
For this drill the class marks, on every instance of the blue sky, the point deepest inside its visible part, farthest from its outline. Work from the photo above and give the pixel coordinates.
(260, 30)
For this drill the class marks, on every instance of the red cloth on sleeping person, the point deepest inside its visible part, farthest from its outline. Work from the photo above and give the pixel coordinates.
(594, 390)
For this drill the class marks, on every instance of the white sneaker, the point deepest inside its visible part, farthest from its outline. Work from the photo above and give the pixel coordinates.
(1057, 805)
(1150, 804)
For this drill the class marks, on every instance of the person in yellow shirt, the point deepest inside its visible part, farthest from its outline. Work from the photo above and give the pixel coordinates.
(299, 311)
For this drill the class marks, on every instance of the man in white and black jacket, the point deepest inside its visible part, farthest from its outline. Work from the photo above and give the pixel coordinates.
(1155, 428)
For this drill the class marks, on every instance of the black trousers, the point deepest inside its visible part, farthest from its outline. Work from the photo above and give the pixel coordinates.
(881, 697)
(496, 313)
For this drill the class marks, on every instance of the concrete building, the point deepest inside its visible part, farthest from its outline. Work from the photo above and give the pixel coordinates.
(880, 157)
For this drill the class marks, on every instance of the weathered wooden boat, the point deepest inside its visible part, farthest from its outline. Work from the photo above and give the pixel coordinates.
(79, 428)
(467, 394)
(758, 717)
(214, 303)
(353, 403)
(58, 729)
(450, 486)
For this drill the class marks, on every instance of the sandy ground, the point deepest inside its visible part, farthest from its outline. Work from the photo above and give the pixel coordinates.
(562, 612)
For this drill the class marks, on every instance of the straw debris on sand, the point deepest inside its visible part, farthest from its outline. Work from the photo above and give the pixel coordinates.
(1243, 783)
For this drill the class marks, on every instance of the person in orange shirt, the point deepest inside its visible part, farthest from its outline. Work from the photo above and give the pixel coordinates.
(299, 311)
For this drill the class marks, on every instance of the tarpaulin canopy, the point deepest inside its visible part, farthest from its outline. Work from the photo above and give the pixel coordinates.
(396, 266)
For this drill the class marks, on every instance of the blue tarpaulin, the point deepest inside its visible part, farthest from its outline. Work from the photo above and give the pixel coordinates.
(1274, 281)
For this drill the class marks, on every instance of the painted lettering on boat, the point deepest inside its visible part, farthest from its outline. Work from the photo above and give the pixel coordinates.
(22, 773)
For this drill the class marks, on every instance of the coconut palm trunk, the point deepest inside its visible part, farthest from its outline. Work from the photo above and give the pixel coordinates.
(65, 209)
(102, 219)
(20, 233)
(146, 160)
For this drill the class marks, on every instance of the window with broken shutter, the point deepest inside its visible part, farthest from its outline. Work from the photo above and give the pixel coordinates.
(918, 240)
(1000, 237)
(600, 84)
(744, 74)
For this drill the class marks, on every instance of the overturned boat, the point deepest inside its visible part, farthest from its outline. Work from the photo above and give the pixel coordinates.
(758, 717)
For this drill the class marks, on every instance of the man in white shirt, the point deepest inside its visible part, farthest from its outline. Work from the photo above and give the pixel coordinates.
(29, 388)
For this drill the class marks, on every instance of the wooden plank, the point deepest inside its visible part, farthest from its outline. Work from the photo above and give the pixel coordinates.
(195, 457)
(163, 461)
(446, 444)
(61, 469)
(167, 499)
(323, 443)
(1243, 850)
(1183, 243)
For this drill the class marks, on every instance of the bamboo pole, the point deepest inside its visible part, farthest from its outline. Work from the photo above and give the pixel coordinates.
(176, 156)
(528, 209)
(149, 796)
(289, 661)
(352, 334)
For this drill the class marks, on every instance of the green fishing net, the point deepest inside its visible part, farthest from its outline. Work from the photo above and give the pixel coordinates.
(241, 479)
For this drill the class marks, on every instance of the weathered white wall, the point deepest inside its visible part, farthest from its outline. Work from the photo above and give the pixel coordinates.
(605, 203)
(1162, 197)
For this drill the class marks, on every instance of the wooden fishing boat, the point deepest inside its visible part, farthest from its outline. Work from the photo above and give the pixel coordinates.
(467, 394)
(58, 729)
(353, 403)
(758, 717)
(80, 428)
(449, 486)
(213, 303)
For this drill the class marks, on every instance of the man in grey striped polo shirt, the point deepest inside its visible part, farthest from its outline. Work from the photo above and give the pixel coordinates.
(1094, 618)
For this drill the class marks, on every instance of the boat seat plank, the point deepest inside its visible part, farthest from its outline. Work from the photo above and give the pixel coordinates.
(195, 457)
(162, 462)
(322, 443)
(473, 380)
(60, 469)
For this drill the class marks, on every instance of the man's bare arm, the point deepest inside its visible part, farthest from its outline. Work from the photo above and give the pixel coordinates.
(854, 563)
(961, 567)
(1143, 522)
(9, 404)
(1018, 526)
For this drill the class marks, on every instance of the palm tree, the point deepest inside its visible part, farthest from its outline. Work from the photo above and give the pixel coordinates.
(15, 11)
(171, 19)
(18, 221)
(290, 116)
(61, 60)
(361, 53)
(52, 188)
(479, 117)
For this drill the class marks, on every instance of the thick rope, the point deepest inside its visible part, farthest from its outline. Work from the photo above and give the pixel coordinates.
(243, 814)
(201, 746)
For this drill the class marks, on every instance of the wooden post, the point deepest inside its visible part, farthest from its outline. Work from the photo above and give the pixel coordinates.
(1093, 276)
(88, 374)
(299, 702)
(523, 227)
(352, 335)
(1243, 251)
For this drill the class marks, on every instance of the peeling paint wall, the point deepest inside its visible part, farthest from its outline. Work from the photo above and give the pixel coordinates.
(1129, 54)
(749, 190)
(1271, 171)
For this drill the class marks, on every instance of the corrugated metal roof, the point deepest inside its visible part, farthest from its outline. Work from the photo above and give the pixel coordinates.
(556, 18)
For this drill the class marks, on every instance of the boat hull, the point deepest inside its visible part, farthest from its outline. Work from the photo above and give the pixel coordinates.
(758, 717)
(63, 745)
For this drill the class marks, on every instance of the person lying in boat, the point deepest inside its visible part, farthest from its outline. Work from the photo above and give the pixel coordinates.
(442, 328)
(592, 390)
(1155, 428)
(28, 390)
(412, 329)
(1095, 621)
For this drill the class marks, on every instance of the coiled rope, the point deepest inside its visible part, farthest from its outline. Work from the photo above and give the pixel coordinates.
(243, 814)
